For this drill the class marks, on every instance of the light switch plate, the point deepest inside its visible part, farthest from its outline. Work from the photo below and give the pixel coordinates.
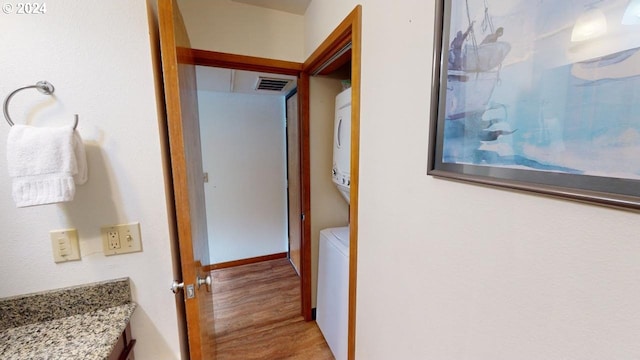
(65, 245)
(121, 239)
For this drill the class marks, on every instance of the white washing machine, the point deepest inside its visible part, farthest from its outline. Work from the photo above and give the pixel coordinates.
(332, 307)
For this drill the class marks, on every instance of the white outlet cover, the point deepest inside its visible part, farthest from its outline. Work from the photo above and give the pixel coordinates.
(129, 236)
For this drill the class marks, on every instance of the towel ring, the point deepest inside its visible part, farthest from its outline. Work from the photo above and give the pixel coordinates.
(43, 87)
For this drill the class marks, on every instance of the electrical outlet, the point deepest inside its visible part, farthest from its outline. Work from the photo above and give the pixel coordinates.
(65, 245)
(121, 239)
(114, 239)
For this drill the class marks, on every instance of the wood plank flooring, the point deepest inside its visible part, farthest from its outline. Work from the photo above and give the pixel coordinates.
(257, 315)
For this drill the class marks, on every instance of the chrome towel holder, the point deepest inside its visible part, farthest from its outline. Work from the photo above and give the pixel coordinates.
(44, 87)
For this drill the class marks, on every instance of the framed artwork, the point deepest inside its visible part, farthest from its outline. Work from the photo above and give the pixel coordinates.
(540, 96)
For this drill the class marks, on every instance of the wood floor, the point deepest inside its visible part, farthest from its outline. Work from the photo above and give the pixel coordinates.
(257, 315)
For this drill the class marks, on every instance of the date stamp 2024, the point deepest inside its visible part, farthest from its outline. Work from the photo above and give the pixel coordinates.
(24, 8)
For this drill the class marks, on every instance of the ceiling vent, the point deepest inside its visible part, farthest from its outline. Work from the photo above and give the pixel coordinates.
(271, 84)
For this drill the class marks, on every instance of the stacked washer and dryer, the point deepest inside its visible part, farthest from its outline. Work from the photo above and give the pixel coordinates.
(332, 308)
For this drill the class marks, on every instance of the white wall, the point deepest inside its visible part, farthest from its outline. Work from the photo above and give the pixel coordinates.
(231, 27)
(455, 271)
(97, 54)
(243, 147)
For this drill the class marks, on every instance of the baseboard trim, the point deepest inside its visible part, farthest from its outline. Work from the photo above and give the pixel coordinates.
(253, 260)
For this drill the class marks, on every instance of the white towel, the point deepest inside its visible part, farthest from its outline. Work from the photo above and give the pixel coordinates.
(45, 164)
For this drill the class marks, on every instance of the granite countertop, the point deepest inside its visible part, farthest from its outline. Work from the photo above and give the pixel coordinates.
(82, 322)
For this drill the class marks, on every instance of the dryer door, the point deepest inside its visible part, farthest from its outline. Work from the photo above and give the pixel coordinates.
(342, 140)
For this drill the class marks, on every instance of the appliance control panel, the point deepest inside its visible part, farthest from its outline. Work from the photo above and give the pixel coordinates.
(340, 179)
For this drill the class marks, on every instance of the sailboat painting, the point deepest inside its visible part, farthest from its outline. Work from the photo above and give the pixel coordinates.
(541, 92)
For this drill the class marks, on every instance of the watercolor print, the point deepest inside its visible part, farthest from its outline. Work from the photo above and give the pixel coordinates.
(544, 85)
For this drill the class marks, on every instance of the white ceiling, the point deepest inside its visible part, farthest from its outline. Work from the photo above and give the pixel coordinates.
(291, 6)
(237, 81)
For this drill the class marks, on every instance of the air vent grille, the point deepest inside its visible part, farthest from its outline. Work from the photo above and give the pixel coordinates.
(271, 84)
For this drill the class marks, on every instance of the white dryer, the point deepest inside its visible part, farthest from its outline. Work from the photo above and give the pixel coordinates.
(341, 172)
(332, 308)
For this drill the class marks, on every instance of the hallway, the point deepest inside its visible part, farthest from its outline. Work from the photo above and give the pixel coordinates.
(257, 315)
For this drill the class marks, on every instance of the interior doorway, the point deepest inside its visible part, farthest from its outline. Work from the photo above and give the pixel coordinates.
(244, 150)
(247, 63)
(341, 51)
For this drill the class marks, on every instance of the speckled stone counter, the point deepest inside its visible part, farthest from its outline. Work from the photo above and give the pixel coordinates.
(82, 322)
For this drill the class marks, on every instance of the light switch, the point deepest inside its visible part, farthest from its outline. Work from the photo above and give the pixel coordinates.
(65, 245)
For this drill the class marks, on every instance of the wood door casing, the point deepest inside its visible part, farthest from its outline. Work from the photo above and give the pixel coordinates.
(186, 167)
(293, 182)
(349, 30)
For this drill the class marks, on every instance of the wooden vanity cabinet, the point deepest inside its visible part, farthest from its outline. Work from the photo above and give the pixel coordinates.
(124, 347)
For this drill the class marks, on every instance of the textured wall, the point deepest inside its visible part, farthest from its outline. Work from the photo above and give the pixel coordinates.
(236, 28)
(98, 56)
(243, 147)
(454, 271)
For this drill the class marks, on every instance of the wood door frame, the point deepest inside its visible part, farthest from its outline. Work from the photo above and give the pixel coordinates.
(243, 62)
(291, 94)
(325, 59)
(252, 63)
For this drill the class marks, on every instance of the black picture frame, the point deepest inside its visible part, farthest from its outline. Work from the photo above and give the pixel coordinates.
(601, 189)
